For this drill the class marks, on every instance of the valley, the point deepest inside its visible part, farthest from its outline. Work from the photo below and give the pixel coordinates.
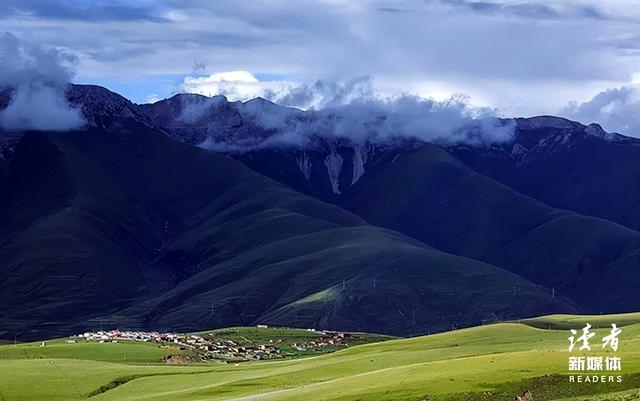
(492, 362)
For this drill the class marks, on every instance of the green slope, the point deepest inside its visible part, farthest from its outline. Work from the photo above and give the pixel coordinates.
(592, 173)
(357, 279)
(126, 227)
(430, 195)
(492, 362)
(565, 322)
(131, 353)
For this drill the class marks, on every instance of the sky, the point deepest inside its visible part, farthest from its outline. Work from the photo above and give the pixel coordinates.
(579, 59)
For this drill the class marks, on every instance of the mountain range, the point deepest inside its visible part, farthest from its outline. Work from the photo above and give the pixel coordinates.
(193, 213)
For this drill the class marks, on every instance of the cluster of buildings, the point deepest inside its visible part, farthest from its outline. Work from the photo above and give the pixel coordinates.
(328, 338)
(144, 336)
(215, 347)
(231, 350)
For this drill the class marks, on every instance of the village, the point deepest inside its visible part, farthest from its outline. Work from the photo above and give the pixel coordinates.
(212, 346)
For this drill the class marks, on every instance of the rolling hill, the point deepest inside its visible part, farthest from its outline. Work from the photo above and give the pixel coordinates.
(119, 225)
(126, 223)
(462, 198)
(493, 362)
(442, 202)
(567, 165)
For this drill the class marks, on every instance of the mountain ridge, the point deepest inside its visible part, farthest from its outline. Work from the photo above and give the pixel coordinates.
(283, 234)
(102, 231)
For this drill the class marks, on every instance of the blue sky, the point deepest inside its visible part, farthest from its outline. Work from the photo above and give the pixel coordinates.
(520, 57)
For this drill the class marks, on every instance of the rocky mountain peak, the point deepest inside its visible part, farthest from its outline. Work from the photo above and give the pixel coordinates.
(546, 121)
(97, 102)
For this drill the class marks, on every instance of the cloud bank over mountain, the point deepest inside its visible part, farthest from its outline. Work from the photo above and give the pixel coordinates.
(350, 110)
(616, 109)
(407, 117)
(37, 78)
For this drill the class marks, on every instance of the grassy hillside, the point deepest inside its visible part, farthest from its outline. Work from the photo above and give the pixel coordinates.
(593, 175)
(127, 352)
(492, 362)
(128, 228)
(286, 339)
(565, 322)
(432, 196)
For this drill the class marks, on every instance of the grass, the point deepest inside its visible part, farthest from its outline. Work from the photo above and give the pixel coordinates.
(492, 362)
(630, 395)
(206, 230)
(130, 353)
(566, 322)
(285, 338)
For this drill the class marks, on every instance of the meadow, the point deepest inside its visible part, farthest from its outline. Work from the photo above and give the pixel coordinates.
(492, 362)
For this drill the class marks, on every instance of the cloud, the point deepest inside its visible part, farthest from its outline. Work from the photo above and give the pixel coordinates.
(152, 98)
(542, 11)
(243, 85)
(73, 10)
(235, 85)
(525, 10)
(37, 78)
(497, 51)
(404, 117)
(325, 93)
(354, 111)
(616, 110)
(22, 62)
(40, 107)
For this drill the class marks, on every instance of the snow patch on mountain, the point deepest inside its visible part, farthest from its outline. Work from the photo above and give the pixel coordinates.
(333, 162)
(359, 160)
(304, 164)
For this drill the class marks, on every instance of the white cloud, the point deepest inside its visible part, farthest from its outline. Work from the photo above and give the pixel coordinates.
(235, 85)
(616, 110)
(500, 52)
(38, 78)
(323, 93)
(354, 110)
(152, 98)
(40, 107)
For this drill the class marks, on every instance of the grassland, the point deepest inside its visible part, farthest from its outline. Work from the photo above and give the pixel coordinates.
(492, 362)
(286, 338)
